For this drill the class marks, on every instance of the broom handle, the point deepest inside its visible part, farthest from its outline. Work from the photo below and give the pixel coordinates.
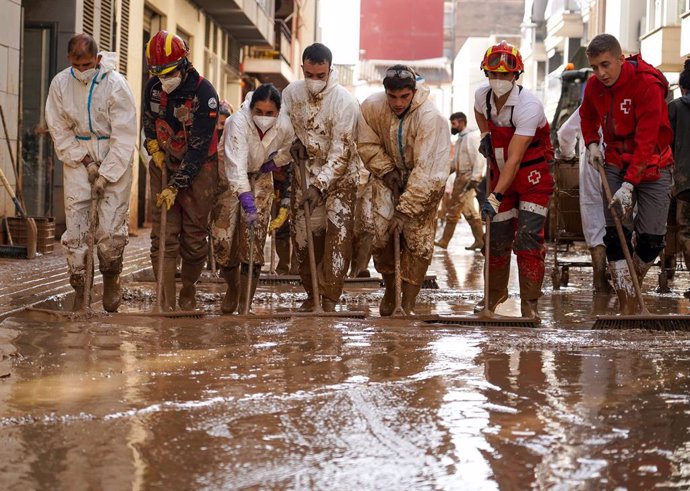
(310, 242)
(396, 253)
(90, 241)
(621, 238)
(487, 245)
(250, 270)
(161, 243)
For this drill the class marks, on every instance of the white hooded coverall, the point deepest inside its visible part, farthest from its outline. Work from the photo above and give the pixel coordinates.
(244, 151)
(418, 145)
(326, 124)
(468, 165)
(98, 119)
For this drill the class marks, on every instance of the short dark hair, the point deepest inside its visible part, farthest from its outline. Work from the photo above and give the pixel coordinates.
(317, 53)
(603, 43)
(394, 81)
(684, 77)
(459, 115)
(265, 92)
(82, 45)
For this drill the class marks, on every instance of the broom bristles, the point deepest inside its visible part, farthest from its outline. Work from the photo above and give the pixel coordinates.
(647, 322)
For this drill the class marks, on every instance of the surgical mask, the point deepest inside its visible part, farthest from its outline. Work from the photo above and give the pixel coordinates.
(501, 87)
(85, 76)
(264, 123)
(315, 86)
(170, 83)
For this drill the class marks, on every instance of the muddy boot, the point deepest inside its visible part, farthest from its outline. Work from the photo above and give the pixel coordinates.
(307, 305)
(231, 298)
(641, 268)
(169, 270)
(112, 293)
(529, 309)
(530, 291)
(409, 296)
(478, 233)
(189, 275)
(498, 288)
(328, 305)
(623, 285)
(77, 281)
(360, 257)
(388, 301)
(244, 280)
(448, 232)
(283, 250)
(601, 283)
(294, 262)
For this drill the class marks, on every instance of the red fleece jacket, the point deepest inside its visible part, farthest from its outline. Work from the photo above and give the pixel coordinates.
(634, 119)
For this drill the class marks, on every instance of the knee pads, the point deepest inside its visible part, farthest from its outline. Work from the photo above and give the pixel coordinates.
(649, 246)
(614, 249)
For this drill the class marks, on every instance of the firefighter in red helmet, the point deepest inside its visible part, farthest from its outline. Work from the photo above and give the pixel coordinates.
(515, 141)
(180, 114)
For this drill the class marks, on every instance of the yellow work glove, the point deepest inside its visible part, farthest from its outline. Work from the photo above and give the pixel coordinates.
(278, 221)
(166, 196)
(157, 155)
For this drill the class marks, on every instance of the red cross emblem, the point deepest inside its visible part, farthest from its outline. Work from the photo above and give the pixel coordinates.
(534, 177)
(626, 105)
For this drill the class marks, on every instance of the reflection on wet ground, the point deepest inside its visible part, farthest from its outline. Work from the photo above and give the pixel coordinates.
(220, 403)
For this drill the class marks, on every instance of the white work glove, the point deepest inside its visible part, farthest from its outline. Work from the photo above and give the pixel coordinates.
(624, 198)
(596, 158)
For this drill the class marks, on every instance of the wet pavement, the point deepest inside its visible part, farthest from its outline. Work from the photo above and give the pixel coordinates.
(126, 402)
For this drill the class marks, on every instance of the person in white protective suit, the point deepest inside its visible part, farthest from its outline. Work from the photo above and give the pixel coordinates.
(91, 115)
(404, 142)
(324, 116)
(591, 201)
(257, 141)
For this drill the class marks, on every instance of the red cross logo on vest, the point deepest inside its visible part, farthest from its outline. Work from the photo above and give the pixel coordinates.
(534, 177)
(626, 105)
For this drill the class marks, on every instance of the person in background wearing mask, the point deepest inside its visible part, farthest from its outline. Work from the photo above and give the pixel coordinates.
(91, 115)
(515, 140)
(626, 101)
(257, 143)
(404, 119)
(180, 111)
(468, 165)
(324, 115)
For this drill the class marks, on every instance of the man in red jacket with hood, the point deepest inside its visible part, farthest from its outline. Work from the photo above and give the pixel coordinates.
(626, 99)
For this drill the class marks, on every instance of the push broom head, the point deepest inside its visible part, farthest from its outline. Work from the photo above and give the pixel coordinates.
(647, 322)
(479, 321)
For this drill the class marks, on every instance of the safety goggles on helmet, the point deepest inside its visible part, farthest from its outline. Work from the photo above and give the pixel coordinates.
(400, 73)
(495, 61)
(163, 69)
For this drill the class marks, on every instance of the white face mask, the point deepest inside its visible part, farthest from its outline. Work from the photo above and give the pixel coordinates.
(501, 87)
(264, 123)
(85, 76)
(171, 83)
(315, 86)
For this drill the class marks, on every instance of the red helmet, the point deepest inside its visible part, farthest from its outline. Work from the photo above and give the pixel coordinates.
(164, 52)
(503, 57)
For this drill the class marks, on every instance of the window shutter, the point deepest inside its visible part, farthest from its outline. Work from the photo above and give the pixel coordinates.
(89, 14)
(124, 37)
(105, 41)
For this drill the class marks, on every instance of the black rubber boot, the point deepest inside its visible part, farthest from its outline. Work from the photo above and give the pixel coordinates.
(189, 274)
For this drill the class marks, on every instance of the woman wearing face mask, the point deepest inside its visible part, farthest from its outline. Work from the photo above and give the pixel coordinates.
(257, 142)
(517, 145)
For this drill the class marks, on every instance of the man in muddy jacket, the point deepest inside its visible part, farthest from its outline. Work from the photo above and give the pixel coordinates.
(180, 114)
(92, 119)
(324, 116)
(626, 99)
(404, 142)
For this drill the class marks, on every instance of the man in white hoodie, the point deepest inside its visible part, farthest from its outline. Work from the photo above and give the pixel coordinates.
(91, 115)
(324, 116)
(404, 142)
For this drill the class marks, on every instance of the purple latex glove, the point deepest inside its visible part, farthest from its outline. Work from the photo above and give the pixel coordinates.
(268, 166)
(250, 214)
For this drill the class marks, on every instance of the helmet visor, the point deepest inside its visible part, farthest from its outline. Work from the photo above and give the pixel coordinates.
(497, 60)
(163, 69)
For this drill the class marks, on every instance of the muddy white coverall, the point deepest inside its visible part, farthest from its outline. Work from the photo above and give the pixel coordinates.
(468, 165)
(591, 201)
(418, 145)
(99, 119)
(326, 124)
(244, 153)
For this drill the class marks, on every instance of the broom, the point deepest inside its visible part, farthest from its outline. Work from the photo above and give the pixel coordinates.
(644, 320)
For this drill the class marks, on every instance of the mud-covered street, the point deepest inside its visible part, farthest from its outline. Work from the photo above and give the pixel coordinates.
(126, 402)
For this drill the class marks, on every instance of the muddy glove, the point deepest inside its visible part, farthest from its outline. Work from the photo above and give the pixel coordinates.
(279, 220)
(312, 196)
(595, 158)
(471, 184)
(299, 151)
(485, 146)
(393, 181)
(157, 155)
(623, 198)
(490, 206)
(166, 196)
(92, 170)
(251, 216)
(395, 226)
(268, 166)
(99, 187)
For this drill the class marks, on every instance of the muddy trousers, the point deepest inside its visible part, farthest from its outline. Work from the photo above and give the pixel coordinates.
(187, 222)
(683, 222)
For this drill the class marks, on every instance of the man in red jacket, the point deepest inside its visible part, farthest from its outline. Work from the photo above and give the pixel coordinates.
(626, 99)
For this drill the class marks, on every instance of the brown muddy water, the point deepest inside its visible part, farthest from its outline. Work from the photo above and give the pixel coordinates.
(219, 403)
